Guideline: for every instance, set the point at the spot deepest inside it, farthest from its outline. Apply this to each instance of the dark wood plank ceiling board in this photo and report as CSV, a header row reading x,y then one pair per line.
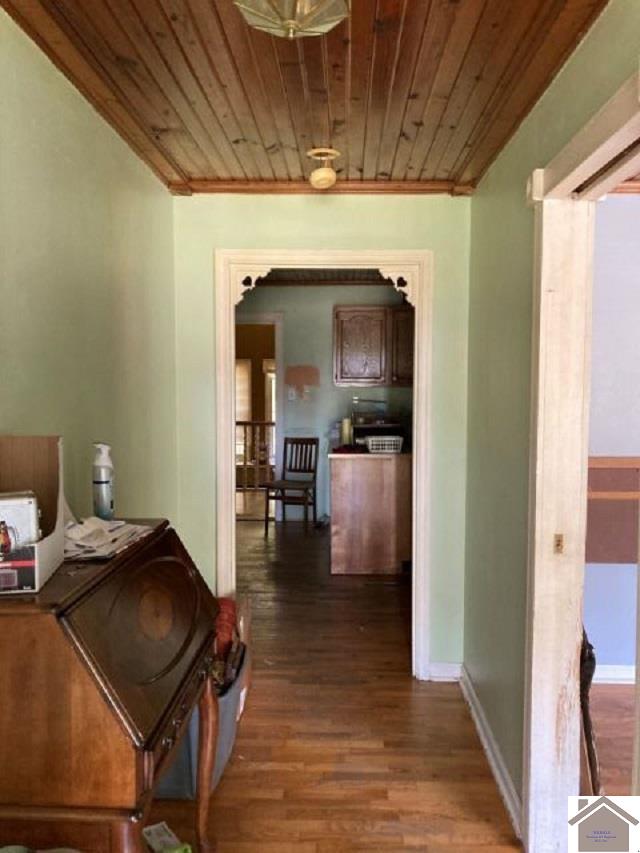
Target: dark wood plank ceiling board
x,y
204,48
266,59
417,95
239,49
545,13
360,51
411,39
492,30
316,82
517,24
339,92
440,20
182,53
560,38
461,36
290,60
114,57
388,29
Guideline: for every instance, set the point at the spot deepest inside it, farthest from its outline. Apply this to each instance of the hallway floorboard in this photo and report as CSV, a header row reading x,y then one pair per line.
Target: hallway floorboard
x,y
339,748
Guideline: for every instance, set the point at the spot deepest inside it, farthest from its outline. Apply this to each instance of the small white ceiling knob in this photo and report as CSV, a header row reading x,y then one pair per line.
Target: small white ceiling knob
x,y
324,177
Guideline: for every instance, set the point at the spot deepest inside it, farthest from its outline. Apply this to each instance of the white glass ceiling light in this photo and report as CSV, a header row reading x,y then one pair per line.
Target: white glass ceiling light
x,y
324,177
294,18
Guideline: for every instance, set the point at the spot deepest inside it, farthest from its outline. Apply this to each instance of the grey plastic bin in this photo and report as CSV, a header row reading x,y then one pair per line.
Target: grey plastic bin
x,y
179,781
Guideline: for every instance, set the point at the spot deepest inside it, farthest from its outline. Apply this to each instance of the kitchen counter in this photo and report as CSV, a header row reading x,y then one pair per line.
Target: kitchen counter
x,y
370,512
374,457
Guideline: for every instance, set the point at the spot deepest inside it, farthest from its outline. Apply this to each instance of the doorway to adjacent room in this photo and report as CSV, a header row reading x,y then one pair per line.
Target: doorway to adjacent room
x,y
410,273
601,156
258,408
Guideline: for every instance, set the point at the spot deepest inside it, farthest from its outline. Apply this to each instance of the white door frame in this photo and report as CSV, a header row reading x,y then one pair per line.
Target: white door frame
x,y
274,319
564,195
411,273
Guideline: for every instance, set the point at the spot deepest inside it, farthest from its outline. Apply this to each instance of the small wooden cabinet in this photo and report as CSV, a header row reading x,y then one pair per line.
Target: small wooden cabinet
x,y
402,346
372,345
360,346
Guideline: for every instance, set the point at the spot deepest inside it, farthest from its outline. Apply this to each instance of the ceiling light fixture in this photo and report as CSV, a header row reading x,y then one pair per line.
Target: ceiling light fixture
x,y
294,19
324,177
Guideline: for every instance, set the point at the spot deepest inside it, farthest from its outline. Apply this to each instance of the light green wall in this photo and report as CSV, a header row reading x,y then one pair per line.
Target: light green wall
x,y
86,284
206,223
308,339
499,370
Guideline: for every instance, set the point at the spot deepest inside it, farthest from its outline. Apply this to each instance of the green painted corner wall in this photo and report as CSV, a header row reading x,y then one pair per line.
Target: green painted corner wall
x,y
86,282
500,322
206,223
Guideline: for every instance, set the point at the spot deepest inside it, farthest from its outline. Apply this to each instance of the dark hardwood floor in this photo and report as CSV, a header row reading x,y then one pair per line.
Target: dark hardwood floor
x,y
250,506
339,748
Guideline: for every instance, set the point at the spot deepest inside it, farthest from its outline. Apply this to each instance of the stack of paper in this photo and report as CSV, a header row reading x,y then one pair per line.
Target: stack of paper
x,y
95,539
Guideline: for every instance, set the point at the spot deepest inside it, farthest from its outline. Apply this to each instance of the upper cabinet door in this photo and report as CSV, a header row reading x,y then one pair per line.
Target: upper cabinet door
x,y
360,346
402,346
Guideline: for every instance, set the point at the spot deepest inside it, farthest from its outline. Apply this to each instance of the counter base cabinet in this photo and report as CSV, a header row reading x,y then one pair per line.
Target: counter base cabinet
x,y
370,513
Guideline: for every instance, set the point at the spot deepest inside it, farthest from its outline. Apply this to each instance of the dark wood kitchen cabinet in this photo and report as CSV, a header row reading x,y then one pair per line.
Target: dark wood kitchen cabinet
x,y
402,346
360,345
372,345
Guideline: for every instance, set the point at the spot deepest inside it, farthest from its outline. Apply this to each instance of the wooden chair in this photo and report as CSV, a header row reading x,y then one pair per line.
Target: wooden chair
x,y
299,471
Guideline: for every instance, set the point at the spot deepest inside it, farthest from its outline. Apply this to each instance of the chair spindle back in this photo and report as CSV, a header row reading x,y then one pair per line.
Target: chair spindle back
x,y
300,457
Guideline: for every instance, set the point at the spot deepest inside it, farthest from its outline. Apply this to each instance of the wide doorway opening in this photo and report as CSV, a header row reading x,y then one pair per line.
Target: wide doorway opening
x,y
613,501
324,463
408,274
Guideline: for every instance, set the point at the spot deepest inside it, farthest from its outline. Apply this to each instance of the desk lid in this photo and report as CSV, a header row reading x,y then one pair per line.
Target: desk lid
x,y
140,629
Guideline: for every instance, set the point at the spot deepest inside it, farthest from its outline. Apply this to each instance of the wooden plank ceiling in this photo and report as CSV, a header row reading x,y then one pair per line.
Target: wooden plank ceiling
x,y
324,277
418,95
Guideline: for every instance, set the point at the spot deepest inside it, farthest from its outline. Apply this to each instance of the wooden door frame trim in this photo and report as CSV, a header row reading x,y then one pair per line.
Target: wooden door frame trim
x,y
411,273
561,378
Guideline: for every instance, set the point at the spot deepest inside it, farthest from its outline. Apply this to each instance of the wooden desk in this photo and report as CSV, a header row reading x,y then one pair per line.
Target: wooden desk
x,y
99,674
370,512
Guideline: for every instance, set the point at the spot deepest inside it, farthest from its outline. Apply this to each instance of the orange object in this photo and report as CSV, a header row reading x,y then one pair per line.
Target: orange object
x,y
225,626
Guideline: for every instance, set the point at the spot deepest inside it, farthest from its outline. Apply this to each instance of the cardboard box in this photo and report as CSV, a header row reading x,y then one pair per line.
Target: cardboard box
x,y
34,463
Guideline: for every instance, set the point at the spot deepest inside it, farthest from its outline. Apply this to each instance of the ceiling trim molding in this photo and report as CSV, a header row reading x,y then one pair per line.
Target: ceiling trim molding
x,y
604,137
628,188
342,187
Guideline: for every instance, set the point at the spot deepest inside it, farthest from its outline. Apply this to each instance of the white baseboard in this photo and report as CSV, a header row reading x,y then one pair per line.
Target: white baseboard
x,y
615,674
445,671
502,776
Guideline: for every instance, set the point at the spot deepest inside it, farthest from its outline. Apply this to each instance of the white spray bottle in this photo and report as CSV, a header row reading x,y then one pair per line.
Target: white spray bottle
x,y
103,477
